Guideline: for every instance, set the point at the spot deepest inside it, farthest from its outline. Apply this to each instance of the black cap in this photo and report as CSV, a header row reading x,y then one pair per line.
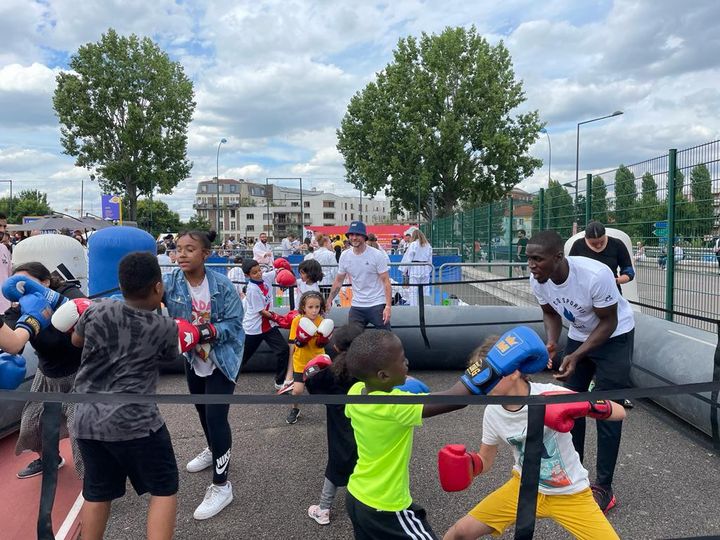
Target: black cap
x,y
594,229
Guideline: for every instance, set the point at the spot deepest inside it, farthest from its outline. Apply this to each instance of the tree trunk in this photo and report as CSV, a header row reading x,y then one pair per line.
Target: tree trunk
x,y
130,213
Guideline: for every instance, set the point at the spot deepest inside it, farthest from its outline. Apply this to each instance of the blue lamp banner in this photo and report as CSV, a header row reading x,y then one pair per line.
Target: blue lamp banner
x,y
111,207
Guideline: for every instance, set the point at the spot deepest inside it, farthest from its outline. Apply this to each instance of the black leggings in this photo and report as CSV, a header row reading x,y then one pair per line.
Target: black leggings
x,y
214,418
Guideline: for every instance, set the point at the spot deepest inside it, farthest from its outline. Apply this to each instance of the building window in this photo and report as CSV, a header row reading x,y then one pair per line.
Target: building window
x,y
233,188
352,206
267,216
352,216
250,228
306,204
249,216
307,216
345,206
232,215
328,204
295,203
232,225
203,188
328,215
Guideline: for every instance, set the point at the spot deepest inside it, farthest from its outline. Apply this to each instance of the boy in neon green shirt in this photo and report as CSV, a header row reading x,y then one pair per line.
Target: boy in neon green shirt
x,y
378,499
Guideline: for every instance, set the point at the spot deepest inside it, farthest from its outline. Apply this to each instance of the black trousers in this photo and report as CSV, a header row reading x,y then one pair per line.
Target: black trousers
x,y
214,418
371,524
610,365
368,315
279,346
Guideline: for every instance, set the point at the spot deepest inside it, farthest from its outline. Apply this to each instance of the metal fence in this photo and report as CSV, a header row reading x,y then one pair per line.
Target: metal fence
x,y
669,204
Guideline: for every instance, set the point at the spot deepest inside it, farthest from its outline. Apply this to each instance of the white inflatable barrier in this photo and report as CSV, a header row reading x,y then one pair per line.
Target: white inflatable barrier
x,y
61,255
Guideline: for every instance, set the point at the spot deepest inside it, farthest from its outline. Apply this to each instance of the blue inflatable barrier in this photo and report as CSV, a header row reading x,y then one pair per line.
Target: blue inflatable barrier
x,y
105,249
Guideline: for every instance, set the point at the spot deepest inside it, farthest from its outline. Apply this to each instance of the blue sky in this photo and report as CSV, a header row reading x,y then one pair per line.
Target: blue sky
x,y
274,78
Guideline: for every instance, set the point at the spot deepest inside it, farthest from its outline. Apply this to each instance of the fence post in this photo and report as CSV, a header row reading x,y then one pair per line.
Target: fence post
x,y
670,240
541,210
489,234
588,199
462,236
510,257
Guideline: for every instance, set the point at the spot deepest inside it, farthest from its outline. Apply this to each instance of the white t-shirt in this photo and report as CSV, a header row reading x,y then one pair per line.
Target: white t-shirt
x,y
235,274
417,253
328,262
262,253
561,472
286,247
303,287
589,284
5,271
258,297
365,269
164,261
202,363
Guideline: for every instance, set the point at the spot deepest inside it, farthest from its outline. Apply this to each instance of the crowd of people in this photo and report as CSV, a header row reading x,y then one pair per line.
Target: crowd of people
x,y
219,321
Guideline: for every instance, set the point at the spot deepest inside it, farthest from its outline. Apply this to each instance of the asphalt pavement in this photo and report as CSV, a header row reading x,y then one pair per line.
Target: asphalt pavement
x,y
667,479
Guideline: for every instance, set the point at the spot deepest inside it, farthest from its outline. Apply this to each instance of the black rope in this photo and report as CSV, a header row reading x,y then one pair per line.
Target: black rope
x,y
50,423
714,395
421,315
530,477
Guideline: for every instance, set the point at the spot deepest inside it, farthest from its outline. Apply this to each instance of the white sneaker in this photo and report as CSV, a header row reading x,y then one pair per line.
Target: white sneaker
x,y
200,462
216,498
319,515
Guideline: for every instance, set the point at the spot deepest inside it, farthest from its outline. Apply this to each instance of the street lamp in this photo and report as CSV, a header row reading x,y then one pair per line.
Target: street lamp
x,y
545,131
577,155
217,181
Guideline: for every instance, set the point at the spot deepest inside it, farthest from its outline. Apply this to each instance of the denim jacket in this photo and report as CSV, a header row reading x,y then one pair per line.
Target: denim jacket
x,y
226,314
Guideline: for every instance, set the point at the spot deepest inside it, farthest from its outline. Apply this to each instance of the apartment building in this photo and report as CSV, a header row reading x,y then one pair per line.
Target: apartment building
x,y
247,208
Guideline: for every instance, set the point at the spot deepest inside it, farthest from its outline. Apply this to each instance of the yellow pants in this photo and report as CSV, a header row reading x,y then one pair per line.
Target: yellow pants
x,y
578,513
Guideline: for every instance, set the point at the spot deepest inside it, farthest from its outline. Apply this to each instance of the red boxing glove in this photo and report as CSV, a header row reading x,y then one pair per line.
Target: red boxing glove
x,y
285,278
561,416
306,330
67,315
324,332
281,262
317,364
188,335
457,467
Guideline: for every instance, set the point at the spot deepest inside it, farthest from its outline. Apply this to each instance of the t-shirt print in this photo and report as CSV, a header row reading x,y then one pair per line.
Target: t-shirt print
x,y
553,473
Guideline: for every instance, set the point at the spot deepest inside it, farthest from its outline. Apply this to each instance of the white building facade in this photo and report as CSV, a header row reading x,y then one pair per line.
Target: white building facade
x,y
247,208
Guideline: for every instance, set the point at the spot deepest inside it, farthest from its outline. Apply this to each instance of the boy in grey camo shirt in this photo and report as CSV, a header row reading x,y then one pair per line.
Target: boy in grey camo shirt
x,y
123,344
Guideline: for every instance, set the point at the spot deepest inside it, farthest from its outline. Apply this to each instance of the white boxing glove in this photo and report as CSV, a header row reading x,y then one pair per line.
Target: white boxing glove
x,y
324,332
306,330
67,315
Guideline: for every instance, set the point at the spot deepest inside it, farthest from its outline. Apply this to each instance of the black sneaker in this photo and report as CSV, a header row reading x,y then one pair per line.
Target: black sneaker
x,y
627,404
292,416
36,467
603,497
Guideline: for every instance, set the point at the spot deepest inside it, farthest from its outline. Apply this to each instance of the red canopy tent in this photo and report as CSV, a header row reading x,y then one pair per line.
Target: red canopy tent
x,y
384,233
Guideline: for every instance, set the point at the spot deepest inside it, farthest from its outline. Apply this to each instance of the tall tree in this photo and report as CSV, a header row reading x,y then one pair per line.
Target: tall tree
x,y
197,223
29,202
648,209
599,200
560,209
685,211
701,189
441,116
156,217
124,111
625,197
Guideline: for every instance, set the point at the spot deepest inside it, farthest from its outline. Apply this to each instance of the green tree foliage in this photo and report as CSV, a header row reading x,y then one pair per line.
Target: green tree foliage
x,y
30,202
685,211
440,116
701,189
599,200
156,217
124,111
625,198
559,209
580,211
197,223
648,210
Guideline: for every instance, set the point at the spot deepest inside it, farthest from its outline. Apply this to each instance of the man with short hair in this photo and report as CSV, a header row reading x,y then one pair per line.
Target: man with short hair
x,y
262,252
371,288
5,262
600,339
286,245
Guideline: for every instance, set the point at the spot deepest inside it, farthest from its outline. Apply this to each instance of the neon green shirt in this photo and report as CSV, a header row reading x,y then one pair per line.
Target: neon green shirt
x,y
384,436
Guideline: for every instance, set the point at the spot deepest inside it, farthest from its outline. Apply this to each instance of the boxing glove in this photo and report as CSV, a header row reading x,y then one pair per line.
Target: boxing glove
x,y
306,330
561,416
12,371
67,315
414,386
19,285
188,335
316,365
457,467
36,313
285,278
207,331
324,332
281,263
518,349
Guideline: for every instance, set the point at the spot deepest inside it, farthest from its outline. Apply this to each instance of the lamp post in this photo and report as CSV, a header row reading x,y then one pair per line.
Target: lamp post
x,y
217,182
577,156
545,131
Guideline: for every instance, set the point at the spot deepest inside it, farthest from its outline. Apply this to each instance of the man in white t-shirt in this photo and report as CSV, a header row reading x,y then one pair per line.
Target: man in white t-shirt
x,y
262,252
371,288
286,245
600,338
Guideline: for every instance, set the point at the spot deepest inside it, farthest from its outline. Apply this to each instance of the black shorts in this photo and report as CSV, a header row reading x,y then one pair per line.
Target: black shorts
x,y
149,463
370,524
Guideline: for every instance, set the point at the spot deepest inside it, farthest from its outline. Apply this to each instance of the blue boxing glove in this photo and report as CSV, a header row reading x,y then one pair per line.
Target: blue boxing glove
x,y
414,386
19,285
520,348
12,371
36,314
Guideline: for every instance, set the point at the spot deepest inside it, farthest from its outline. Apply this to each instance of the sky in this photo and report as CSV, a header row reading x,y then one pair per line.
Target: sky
x,y
274,78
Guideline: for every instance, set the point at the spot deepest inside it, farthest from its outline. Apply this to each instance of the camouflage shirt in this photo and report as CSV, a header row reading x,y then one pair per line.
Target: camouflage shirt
x,y
123,348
